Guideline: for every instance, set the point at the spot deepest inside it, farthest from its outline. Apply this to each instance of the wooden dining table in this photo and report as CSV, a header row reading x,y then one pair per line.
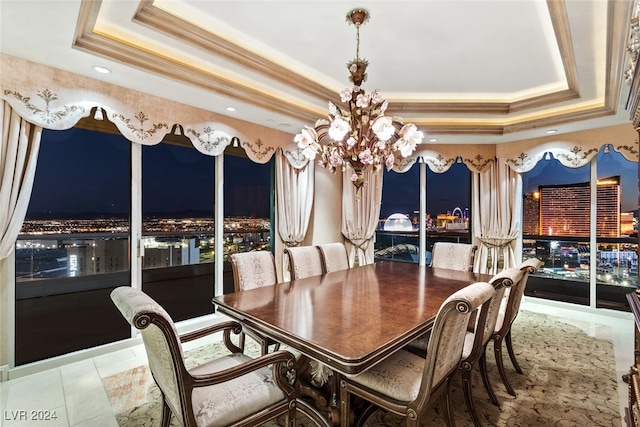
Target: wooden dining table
x,y
346,321
349,320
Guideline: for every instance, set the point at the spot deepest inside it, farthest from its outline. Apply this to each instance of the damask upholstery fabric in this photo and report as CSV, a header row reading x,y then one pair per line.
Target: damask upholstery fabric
x,y
448,345
132,302
304,261
454,256
334,256
399,375
235,398
402,375
253,269
516,292
512,277
219,404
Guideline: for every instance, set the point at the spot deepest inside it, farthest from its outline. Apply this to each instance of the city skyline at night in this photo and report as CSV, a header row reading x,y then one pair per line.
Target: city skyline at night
x,y
179,181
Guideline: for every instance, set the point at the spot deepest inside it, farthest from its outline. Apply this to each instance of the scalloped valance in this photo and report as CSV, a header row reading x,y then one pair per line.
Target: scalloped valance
x,y
57,100
573,150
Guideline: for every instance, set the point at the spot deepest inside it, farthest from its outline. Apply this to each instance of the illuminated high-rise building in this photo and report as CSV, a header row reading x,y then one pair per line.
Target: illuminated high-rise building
x,y
531,214
564,209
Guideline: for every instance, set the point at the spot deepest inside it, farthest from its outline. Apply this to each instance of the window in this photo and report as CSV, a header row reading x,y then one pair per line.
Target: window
x,y
178,227
617,229
77,217
447,218
248,202
557,229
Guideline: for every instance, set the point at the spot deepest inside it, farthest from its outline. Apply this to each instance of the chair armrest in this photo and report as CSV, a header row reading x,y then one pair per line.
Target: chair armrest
x,y
283,358
229,325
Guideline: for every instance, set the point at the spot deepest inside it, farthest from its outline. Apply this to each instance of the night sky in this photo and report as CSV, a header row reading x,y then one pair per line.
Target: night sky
x,y
83,171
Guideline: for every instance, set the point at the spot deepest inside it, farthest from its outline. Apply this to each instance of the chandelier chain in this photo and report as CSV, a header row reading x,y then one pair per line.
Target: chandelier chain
x,y
357,42
358,135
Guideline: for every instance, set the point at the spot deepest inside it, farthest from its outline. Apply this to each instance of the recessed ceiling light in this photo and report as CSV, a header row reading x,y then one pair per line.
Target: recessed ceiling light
x,y
550,131
101,70
433,140
231,108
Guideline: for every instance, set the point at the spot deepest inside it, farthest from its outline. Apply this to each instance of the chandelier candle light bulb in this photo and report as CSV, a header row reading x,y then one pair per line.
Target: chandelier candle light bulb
x,y
360,134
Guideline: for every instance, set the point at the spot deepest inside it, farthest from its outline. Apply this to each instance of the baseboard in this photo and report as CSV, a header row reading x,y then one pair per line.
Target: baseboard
x,y
4,373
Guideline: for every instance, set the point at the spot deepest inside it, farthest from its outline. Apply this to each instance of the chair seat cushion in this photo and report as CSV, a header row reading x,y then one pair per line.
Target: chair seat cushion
x,y
225,403
397,376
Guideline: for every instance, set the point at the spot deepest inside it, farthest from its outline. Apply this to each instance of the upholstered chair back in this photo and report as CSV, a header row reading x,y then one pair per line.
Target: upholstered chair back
x,y
515,293
334,256
253,270
160,339
447,338
502,282
304,261
454,256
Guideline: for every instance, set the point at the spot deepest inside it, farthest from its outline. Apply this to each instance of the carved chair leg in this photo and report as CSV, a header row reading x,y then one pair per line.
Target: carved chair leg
x,y
497,350
485,379
166,414
291,417
512,355
468,395
446,406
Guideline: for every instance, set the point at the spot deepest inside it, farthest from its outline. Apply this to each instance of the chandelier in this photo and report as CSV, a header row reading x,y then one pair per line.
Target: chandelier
x,y
360,134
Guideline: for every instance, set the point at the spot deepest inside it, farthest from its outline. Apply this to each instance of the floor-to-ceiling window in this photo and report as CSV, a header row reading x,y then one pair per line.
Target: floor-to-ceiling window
x,y
558,226
178,227
73,246
616,228
447,211
75,243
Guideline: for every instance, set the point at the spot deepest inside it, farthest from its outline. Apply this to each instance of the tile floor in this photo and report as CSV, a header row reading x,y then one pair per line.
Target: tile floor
x,y
74,392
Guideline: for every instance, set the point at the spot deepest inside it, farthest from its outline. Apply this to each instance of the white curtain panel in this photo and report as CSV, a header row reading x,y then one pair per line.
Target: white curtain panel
x,y
294,200
18,157
497,212
360,214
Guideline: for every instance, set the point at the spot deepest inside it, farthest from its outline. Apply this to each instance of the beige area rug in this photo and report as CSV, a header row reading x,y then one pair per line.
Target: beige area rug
x,y
570,380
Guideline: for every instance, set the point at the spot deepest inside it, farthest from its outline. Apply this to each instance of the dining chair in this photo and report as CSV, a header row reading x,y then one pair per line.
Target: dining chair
x,y
479,335
304,261
479,331
251,270
334,256
454,256
407,384
502,332
231,390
